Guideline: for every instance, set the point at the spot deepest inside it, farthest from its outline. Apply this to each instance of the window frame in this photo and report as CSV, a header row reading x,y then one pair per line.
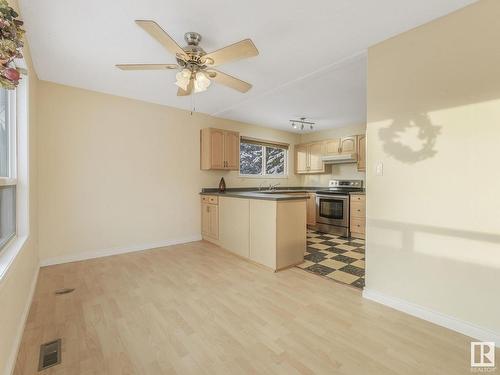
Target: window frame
x,y
263,173
11,179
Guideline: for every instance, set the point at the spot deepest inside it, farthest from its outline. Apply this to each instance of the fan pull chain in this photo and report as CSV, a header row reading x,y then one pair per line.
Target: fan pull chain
x,y
193,105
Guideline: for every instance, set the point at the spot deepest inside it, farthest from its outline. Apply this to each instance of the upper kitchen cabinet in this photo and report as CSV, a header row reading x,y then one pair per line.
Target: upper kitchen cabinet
x,y
362,153
301,159
220,149
308,158
348,145
332,147
337,146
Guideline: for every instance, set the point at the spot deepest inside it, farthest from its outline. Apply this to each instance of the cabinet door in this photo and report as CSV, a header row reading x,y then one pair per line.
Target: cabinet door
x,y
214,221
348,145
301,159
205,219
362,152
332,147
232,150
316,151
311,209
216,149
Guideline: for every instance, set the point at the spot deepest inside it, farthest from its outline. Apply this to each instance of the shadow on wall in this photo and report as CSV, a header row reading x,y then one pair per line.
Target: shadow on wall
x,y
411,138
471,247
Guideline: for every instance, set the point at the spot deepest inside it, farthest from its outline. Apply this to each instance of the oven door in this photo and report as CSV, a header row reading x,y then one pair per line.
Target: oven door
x,y
332,209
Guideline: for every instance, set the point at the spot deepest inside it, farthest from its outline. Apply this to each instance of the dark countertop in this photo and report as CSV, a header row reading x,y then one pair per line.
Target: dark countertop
x,y
292,189
276,195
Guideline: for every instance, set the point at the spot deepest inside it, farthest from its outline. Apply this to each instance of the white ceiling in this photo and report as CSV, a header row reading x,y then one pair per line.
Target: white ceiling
x,y
312,58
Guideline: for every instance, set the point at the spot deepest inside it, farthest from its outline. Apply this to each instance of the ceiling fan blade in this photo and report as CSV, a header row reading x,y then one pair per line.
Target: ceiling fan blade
x,y
146,66
153,29
181,92
229,81
240,50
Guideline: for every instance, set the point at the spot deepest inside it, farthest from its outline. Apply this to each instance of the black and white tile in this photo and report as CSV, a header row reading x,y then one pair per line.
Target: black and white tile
x,y
338,258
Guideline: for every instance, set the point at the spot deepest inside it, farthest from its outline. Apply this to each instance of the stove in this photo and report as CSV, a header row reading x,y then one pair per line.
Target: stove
x,y
332,206
342,187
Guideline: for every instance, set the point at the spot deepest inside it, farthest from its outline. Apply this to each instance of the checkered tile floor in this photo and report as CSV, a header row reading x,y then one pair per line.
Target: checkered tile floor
x,y
338,258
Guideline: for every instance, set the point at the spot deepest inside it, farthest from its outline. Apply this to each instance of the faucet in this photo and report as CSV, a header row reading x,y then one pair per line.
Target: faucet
x,y
273,187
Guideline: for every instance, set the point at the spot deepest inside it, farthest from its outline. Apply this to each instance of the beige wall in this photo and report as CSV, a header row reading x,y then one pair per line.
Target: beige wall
x,y
16,284
433,233
337,171
117,173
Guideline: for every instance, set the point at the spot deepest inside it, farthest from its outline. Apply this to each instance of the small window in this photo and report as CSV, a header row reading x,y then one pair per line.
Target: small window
x,y
261,158
8,182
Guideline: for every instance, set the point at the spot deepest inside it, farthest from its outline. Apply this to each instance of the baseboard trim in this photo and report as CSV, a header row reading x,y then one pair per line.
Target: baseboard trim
x,y
20,330
435,317
115,251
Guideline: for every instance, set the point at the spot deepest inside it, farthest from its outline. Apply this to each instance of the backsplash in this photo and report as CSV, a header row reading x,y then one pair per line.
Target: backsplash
x,y
334,172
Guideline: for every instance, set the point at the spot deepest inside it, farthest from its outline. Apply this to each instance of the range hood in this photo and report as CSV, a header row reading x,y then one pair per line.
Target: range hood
x,y
340,159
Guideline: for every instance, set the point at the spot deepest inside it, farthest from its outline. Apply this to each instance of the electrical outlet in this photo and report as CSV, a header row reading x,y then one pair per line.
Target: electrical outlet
x,y
379,169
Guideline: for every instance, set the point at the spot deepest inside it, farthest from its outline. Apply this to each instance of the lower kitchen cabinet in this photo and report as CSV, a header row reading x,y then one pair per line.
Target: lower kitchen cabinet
x,y
267,232
311,209
209,217
358,216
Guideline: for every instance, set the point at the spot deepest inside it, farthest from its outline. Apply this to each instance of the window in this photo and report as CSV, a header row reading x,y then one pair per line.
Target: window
x,y
8,182
261,158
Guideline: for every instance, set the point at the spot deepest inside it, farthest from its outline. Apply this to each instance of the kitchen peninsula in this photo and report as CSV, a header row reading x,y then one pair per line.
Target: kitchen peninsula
x,y
268,228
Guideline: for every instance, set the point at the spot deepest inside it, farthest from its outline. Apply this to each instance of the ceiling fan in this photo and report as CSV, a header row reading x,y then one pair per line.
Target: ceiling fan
x,y
194,64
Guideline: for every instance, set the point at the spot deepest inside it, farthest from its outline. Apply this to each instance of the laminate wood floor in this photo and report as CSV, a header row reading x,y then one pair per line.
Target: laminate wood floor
x,y
196,309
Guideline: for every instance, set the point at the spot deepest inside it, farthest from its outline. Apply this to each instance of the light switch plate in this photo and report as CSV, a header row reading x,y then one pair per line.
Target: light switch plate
x,y
379,169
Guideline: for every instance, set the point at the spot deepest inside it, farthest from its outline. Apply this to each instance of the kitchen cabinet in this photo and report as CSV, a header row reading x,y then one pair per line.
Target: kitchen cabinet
x,y
301,159
344,145
332,147
348,145
267,232
316,151
219,149
362,153
358,215
209,217
311,209
308,158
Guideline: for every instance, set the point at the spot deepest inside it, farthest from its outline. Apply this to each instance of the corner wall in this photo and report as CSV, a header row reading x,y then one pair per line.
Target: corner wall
x,y
433,227
120,174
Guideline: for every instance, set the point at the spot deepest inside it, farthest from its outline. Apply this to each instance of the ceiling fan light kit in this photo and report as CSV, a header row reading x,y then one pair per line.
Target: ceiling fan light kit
x,y
195,66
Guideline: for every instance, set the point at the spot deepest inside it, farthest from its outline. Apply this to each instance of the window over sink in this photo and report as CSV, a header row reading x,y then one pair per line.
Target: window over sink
x,y
262,158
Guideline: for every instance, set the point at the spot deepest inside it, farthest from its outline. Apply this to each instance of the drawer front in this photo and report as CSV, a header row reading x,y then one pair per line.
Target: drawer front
x,y
357,225
358,198
358,209
212,199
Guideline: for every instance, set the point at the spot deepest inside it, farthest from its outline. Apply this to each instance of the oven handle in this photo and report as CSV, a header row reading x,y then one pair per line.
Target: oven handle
x,y
332,196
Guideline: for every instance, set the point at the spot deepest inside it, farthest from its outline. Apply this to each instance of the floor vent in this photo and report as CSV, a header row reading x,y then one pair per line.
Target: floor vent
x,y
50,354
64,291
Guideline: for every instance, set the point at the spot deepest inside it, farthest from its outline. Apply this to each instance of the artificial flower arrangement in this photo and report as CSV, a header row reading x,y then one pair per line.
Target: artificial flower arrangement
x,y
11,43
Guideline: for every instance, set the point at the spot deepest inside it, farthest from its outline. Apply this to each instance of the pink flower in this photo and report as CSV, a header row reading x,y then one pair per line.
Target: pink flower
x,y
11,74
